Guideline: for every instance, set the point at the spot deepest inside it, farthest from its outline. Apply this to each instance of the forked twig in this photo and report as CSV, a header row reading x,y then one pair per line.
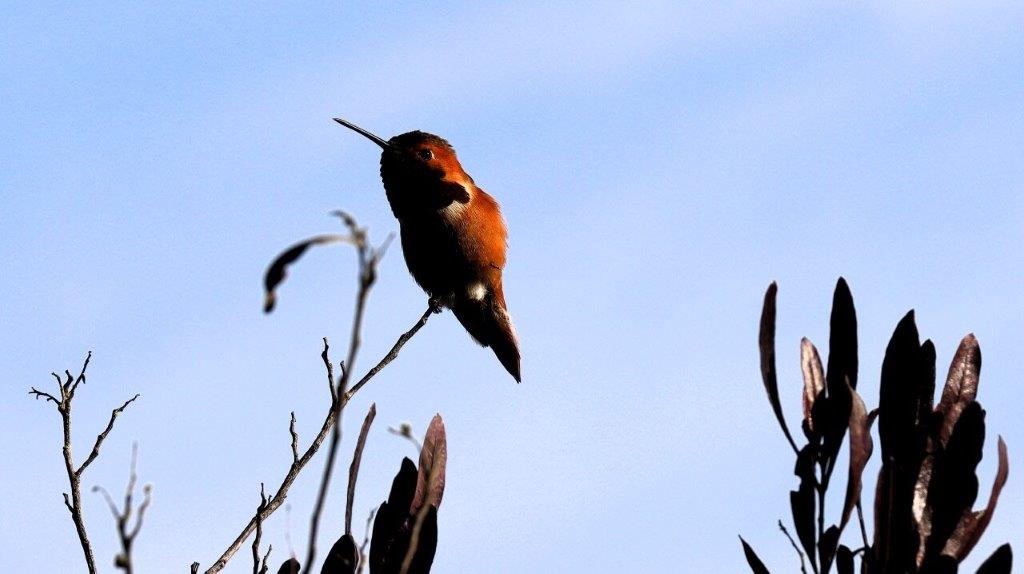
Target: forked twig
x,y
66,391
122,517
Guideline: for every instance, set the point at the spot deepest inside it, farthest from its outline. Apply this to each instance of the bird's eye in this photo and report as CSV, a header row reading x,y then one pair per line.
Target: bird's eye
x,y
426,154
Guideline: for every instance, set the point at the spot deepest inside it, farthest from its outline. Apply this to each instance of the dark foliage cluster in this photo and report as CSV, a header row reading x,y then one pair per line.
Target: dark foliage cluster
x,y
404,536
924,521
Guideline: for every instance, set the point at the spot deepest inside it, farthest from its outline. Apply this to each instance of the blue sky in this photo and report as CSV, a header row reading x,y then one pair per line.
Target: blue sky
x,y
658,166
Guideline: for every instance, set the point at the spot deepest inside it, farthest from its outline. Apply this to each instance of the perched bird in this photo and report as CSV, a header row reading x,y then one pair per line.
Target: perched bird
x,y
453,235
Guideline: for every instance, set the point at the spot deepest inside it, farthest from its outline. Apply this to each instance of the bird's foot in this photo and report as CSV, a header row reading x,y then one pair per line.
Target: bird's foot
x,y
435,304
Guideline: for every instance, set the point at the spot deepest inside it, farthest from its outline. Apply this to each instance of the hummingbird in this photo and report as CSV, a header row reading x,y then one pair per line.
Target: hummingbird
x,y
453,235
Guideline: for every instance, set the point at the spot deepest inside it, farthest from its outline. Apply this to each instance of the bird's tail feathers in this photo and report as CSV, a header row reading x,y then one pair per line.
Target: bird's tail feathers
x,y
489,323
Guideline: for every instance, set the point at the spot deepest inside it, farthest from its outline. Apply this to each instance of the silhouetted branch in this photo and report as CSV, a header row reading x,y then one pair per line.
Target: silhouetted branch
x,y
259,567
338,402
122,517
404,430
368,259
792,542
67,388
366,541
295,439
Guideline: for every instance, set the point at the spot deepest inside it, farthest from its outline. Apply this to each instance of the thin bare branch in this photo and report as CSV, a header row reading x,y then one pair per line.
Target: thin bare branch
x,y
103,435
353,469
367,277
404,430
122,517
393,353
81,375
73,501
40,394
799,552
366,541
295,439
330,372
259,532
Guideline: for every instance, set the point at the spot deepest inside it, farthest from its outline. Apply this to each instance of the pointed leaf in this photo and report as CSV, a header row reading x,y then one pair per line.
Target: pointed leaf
x,y
756,566
426,547
802,501
860,451
961,384
842,343
766,343
842,371
391,525
278,269
814,378
433,458
1001,561
903,440
971,529
343,557
827,547
954,485
353,468
844,560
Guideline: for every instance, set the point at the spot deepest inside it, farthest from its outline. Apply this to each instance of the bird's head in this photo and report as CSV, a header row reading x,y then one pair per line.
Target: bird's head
x,y
421,166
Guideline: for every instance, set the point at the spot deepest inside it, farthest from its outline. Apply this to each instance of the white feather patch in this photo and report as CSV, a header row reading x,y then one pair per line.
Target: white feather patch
x,y
476,291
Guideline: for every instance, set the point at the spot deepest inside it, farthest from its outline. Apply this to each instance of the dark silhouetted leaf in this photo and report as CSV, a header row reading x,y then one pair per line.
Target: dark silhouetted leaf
x,y
290,566
954,486
961,384
844,560
842,342
343,557
391,526
278,269
766,342
433,458
971,529
756,566
802,501
1001,561
827,547
814,378
427,546
860,451
903,440
841,373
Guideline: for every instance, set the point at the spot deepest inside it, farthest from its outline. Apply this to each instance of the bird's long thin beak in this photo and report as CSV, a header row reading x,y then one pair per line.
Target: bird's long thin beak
x,y
375,139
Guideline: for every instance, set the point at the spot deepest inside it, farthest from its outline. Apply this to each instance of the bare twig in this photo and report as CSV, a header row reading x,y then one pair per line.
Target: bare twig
x,y
432,308
122,517
795,547
278,498
860,518
366,541
256,569
67,388
404,430
103,435
368,259
295,439
353,469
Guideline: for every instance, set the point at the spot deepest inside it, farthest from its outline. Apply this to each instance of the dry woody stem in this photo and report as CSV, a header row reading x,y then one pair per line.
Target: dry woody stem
x,y
340,393
67,388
